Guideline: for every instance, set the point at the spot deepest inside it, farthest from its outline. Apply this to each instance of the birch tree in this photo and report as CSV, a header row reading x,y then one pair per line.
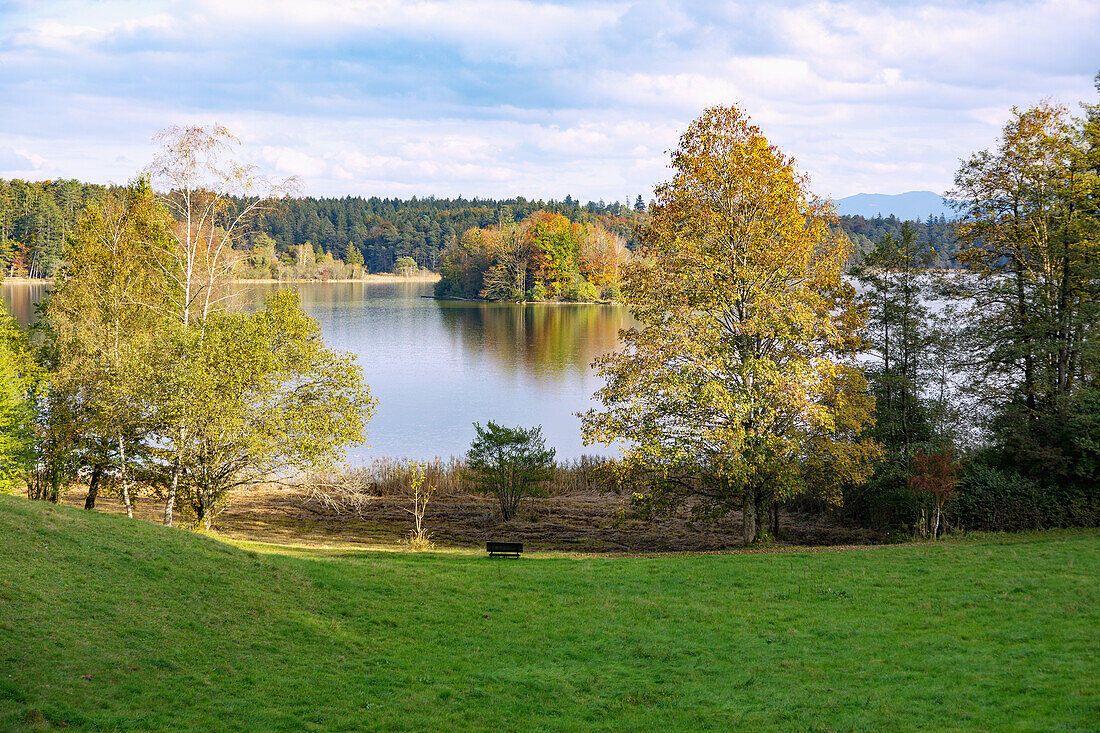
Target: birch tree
x,y
201,185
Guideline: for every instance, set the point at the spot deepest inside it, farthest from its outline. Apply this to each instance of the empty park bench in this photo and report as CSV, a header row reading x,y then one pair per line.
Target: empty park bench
x,y
504,549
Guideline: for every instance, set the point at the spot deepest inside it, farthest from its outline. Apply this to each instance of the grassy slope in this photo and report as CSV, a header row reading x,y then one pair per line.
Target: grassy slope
x,y
178,631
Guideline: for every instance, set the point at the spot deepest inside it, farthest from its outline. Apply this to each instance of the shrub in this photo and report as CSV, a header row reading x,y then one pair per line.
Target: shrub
x,y
447,288
509,463
885,502
934,477
612,292
1000,500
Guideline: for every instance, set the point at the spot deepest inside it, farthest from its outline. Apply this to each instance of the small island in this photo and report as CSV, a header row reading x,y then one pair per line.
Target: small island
x,y
544,258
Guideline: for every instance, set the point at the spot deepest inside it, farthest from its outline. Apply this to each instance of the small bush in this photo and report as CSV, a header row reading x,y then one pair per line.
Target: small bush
x,y
612,292
509,463
447,288
885,502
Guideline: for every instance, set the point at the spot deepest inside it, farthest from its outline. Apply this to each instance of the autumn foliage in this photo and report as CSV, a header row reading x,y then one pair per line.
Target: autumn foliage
x,y
739,388
546,257
934,475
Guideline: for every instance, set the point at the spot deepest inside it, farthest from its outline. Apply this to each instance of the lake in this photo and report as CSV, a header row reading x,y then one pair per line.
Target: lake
x,y
435,367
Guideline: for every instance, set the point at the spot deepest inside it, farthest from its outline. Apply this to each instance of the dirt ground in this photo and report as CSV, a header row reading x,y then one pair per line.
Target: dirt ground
x,y
579,523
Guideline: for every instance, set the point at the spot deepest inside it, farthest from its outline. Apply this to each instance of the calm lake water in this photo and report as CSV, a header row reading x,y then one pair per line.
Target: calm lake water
x,y
435,367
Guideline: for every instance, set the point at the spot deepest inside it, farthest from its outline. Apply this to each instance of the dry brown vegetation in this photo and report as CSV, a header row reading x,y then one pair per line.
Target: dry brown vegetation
x,y
577,514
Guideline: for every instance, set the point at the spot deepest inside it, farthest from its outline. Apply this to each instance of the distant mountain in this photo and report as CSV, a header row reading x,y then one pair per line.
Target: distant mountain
x,y
914,205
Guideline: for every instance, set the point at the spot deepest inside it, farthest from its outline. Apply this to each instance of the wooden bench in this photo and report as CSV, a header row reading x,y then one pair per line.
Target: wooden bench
x,y
504,549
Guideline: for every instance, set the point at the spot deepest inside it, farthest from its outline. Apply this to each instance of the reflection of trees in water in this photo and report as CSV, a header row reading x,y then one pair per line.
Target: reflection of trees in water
x,y
547,339
325,297
20,298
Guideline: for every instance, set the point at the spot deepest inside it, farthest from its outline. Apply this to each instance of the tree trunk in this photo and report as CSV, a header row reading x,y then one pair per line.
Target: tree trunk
x,y
748,514
93,486
125,476
170,502
775,519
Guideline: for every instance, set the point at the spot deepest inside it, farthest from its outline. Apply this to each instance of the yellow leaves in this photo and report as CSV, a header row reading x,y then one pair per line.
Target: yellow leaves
x,y
546,255
745,322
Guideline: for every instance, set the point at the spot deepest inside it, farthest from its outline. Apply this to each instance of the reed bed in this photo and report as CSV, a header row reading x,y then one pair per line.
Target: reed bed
x,y
353,487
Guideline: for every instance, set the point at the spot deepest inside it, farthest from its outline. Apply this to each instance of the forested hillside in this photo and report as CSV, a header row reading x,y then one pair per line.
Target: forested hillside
x,y
936,233
35,218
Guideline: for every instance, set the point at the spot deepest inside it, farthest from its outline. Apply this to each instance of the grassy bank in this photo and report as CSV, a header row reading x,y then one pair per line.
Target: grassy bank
x,y
109,624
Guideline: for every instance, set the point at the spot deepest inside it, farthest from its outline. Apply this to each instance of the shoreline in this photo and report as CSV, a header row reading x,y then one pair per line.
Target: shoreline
x,y
374,277
457,299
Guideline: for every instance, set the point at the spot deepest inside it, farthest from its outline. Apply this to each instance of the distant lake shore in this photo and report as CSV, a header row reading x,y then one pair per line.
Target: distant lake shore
x,y
425,276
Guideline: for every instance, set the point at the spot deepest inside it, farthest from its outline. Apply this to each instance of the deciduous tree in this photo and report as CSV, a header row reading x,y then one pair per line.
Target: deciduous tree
x,y
934,476
1031,235
405,266
265,399
101,332
17,378
741,371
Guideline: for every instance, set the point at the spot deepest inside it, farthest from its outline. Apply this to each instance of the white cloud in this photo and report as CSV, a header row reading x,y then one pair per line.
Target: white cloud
x,y
501,97
294,162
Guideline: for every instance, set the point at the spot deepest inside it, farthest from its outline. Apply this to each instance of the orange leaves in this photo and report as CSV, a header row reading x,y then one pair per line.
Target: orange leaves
x,y
547,255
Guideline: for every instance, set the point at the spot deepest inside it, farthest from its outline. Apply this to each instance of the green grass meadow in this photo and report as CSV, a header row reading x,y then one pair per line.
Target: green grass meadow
x,y
110,624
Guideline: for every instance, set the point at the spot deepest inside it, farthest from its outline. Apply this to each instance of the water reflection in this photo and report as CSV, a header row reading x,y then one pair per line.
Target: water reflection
x,y
19,298
550,340
437,366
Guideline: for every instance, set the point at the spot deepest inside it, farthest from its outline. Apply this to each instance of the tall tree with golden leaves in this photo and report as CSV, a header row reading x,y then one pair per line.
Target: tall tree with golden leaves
x,y
738,389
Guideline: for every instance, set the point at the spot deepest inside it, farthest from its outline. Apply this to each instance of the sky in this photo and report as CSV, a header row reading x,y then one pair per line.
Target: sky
x,y
540,99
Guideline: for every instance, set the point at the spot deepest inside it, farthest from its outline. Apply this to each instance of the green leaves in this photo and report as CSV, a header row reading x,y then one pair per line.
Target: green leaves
x,y
509,463
17,372
544,257
260,396
151,372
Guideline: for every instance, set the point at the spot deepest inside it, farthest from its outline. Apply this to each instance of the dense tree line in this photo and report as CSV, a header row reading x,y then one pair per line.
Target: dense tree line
x,y
385,229
35,219
759,376
545,257
935,237
926,400
987,379
368,234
